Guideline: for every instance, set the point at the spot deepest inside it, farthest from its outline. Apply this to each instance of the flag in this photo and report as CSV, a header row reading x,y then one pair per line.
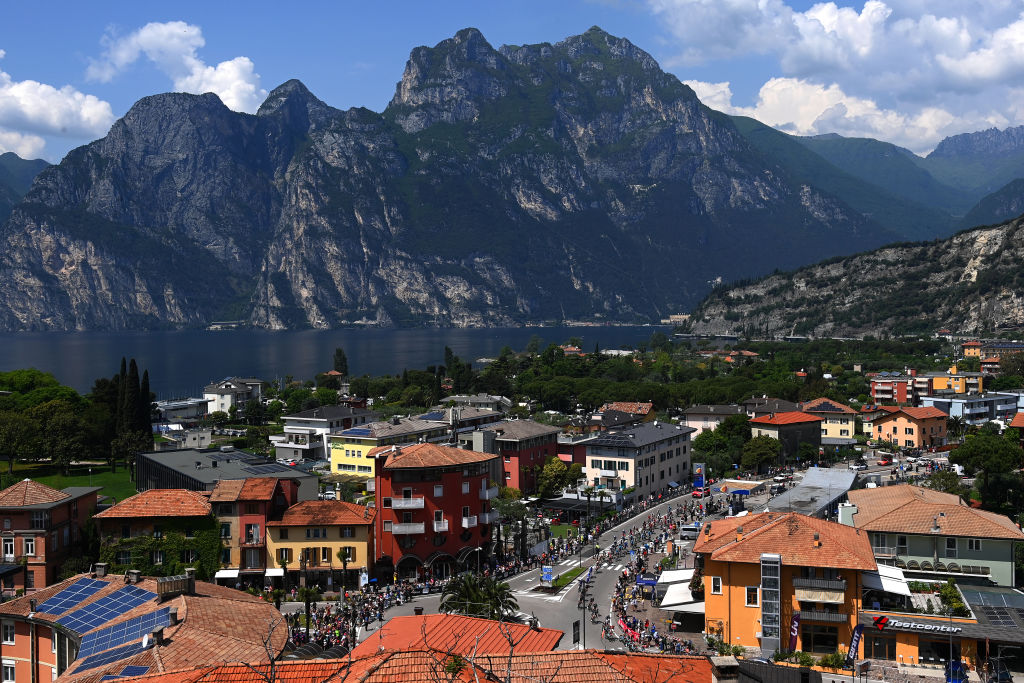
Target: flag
x,y
851,656
794,628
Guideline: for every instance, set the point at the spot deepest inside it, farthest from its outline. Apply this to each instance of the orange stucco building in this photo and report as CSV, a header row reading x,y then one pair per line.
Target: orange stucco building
x,y
912,427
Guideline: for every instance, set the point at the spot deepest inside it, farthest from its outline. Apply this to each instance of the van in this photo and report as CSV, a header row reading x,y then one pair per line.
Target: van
x,y
689,532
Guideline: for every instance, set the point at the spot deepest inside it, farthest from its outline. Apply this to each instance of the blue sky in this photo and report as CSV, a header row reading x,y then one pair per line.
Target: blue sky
x,y
907,71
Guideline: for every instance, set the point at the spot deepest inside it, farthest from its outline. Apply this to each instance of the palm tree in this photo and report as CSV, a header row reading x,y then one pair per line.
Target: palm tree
x,y
477,596
955,426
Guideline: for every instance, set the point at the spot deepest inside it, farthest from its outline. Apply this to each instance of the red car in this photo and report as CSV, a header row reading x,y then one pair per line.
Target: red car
x,y
885,461
700,493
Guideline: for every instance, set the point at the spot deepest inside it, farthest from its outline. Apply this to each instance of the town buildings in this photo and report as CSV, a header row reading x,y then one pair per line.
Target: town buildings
x,y
324,542
304,436
790,429
974,409
98,626
702,417
433,509
244,508
838,421
524,447
934,535
649,458
42,527
912,427
232,392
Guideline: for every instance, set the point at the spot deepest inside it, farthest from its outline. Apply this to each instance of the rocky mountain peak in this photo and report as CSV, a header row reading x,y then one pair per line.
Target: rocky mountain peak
x,y
296,106
982,143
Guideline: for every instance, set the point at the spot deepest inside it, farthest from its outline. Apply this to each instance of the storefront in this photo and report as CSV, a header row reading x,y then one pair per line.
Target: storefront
x,y
923,640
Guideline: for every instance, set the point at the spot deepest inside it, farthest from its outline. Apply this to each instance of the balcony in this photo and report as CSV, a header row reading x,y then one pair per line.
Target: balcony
x,y
441,526
252,540
409,528
608,473
414,503
489,517
820,584
371,485
828,617
487,494
469,522
887,552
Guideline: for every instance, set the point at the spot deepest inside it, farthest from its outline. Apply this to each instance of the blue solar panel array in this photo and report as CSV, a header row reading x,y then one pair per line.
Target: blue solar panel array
x,y
125,632
71,597
134,670
434,416
105,609
358,431
111,656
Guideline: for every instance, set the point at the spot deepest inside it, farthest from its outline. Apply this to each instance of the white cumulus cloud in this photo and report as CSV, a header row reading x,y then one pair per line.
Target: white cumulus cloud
x,y
30,111
173,47
907,69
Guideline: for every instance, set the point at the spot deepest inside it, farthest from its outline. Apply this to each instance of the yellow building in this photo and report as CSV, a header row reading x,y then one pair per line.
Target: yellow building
x,y
838,421
958,382
971,349
307,540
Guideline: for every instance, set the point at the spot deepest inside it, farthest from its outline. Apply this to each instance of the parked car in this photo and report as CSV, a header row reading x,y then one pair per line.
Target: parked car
x,y
885,461
689,532
702,493
859,466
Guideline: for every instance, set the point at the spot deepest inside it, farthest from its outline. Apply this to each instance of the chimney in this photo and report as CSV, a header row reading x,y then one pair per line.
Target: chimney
x,y
32,605
817,540
158,636
739,533
101,569
133,575
190,572
172,617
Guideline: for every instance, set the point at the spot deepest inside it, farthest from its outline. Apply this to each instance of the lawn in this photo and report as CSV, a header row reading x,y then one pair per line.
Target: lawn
x,y
117,485
567,576
563,530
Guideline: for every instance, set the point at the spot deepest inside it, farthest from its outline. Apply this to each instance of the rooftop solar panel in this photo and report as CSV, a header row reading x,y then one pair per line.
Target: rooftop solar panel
x,y
71,597
105,609
125,632
358,431
434,416
110,656
134,670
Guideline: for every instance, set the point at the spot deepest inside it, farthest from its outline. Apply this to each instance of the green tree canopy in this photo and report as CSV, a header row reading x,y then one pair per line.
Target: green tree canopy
x,y
340,361
760,451
990,456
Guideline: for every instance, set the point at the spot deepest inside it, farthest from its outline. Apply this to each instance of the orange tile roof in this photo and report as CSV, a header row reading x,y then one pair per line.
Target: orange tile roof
x,y
226,490
427,455
160,503
1018,420
325,513
258,488
875,409
28,492
571,666
836,407
915,510
790,535
971,343
631,407
458,634
792,417
993,359
916,414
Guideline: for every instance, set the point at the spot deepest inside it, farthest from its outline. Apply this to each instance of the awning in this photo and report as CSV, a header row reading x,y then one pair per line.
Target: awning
x,y
675,576
465,552
673,484
275,571
690,607
887,579
226,574
833,597
435,556
676,595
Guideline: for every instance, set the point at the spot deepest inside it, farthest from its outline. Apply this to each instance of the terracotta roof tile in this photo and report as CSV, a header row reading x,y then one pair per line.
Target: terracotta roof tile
x,y
458,634
915,510
226,490
790,535
631,407
792,417
1018,420
258,488
160,503
827,405
325,512
427,455
28,492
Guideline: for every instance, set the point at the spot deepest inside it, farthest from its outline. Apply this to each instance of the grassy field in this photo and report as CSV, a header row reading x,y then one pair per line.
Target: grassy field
x,y
563,530
117,485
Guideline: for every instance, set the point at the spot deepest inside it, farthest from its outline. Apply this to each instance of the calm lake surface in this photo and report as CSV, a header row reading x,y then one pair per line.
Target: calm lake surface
x,y
181,363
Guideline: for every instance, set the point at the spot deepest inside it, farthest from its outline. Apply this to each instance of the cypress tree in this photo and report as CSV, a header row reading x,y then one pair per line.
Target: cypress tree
x,y
130,404
119,413
144,415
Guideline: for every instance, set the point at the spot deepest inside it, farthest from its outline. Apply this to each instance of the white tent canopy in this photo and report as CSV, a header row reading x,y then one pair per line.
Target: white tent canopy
x,y
226,574
887,579
677,595
275,571
675,576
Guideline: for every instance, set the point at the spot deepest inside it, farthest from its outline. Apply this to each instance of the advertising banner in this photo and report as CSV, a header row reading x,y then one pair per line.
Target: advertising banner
x,y
851,656
698,475
794,629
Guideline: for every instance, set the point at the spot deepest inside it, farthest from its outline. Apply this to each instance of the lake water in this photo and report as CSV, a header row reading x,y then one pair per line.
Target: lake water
x,y
181,363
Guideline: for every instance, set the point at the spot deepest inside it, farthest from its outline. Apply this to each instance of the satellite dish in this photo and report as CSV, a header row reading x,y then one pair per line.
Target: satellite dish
x,y
145,641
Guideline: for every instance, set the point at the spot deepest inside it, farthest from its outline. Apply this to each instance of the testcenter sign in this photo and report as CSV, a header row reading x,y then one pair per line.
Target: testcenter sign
x,y
882,623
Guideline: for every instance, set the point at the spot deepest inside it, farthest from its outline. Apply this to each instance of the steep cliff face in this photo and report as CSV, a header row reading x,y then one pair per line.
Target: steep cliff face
x,y
526,183
970,283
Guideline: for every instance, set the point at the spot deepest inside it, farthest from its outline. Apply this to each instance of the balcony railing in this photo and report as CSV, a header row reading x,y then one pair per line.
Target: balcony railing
x,y
489,517
829,617
608,473
371,485
469,522
415,503
408,528
253,540
884,551
441,526
487,494
820,584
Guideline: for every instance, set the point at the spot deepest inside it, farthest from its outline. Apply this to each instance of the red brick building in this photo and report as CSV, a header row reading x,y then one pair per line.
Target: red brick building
x,y
524,447
433,509
41,528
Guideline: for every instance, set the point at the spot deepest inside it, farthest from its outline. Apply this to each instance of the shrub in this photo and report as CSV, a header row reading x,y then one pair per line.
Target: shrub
x,y
834,660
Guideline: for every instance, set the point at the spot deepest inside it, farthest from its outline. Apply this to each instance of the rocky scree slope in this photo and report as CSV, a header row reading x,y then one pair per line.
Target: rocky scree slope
x,y
500,186
972,282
